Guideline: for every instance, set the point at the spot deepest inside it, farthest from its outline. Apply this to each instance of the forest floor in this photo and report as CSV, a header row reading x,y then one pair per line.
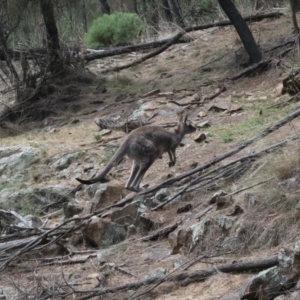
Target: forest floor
x,y
199,67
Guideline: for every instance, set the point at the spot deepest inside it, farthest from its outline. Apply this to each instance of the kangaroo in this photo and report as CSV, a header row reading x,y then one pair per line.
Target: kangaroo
x,y
144,145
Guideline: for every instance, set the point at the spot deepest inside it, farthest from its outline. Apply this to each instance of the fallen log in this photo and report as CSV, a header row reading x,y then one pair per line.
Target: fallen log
x,y
183,278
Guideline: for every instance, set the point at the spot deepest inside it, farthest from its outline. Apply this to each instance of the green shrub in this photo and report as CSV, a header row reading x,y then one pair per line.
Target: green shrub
x,y
116,29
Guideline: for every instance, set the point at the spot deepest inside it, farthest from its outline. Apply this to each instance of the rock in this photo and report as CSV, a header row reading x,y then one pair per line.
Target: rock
x,y
93,276
127,215
196,97
200,137
149,222
204,124
159,272
226,222
103,255
162,195
234,109
195,232
31,199
184,208
251,200
71,209
14,159
104,194
215,196
223,201
218,108
269,282
202,114
185,238
105,132
103,233
65,161
33,221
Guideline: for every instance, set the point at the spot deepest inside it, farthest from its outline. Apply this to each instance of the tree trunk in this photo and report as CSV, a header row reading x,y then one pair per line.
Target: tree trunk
x,y
295,7
84,19
14,78
52,33
167,10
242,30
178,13
153,17
104,7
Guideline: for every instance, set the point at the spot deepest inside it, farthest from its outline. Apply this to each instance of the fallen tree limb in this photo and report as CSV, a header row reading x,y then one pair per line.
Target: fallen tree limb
x,y
184,278
151,45
252,69
175,39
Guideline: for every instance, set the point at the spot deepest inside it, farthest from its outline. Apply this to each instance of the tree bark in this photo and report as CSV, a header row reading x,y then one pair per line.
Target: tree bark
x,y
4,51
52,33
178,13
242,30
167,10
104,7
84,19
295,7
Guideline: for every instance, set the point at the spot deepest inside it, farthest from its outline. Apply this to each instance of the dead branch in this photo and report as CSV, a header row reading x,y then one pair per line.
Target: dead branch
x,y
146,57
183,278
175,39
127,49
210,97
161,232
252,69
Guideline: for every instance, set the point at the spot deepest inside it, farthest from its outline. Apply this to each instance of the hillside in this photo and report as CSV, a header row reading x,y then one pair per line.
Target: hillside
x,y
234,212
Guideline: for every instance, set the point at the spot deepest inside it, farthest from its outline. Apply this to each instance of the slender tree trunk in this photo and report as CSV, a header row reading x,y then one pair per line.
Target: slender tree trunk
x,y
167,10
52,33
85,27
177,12
242,30
153,17
104,7
295,7
14,78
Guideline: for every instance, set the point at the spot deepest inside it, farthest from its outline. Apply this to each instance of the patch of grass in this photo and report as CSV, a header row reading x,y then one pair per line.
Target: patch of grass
x,y
97,137
262,116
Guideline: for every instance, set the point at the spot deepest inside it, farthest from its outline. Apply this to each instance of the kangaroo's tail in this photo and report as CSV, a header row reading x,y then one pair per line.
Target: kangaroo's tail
x,y
115,160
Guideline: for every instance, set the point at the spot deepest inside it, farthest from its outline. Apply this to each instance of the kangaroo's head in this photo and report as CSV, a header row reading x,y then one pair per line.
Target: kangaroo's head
x,y
184,126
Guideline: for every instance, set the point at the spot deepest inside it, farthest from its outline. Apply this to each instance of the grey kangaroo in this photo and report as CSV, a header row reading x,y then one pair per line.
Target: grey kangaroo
x,y
144,145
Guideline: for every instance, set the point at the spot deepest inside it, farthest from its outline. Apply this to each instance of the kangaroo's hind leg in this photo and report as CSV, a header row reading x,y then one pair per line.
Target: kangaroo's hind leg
x,y
144,166
134,170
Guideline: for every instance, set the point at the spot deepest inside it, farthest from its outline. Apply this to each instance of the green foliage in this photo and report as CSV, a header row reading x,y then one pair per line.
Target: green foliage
x,y
115,29
206,4
98,137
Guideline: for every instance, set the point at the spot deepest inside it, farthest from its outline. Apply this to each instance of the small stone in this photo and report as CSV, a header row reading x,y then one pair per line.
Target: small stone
x,y
93,276
202,114
196,97
105,132
203,124
200,137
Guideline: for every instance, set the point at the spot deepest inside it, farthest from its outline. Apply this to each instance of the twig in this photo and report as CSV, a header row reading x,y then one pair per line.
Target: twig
x,y
251,186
